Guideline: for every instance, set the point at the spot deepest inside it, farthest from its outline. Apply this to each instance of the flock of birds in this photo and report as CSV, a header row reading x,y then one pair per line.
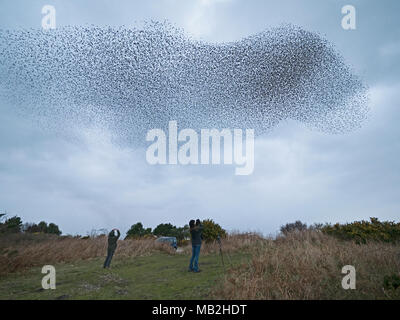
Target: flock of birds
x,y
135,79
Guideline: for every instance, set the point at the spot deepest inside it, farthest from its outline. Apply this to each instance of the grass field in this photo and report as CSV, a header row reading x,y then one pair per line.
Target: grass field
x,y
158,276
300,265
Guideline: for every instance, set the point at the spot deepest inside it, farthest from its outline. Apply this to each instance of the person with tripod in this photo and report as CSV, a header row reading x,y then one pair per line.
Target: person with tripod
x,y
196,230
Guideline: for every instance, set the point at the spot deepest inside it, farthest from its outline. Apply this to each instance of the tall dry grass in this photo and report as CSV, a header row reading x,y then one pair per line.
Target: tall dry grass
x,y
233,242
21,252
308,265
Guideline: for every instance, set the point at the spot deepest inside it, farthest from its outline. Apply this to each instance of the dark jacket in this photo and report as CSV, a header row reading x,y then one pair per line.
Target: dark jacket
x,y
195,233
112,240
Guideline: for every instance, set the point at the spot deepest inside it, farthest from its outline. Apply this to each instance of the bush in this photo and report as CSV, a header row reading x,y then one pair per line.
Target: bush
x,y
297,226
364,231
212,230
391,282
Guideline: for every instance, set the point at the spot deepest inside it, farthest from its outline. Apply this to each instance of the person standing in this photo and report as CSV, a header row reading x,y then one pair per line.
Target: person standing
x,y
196,236
113,237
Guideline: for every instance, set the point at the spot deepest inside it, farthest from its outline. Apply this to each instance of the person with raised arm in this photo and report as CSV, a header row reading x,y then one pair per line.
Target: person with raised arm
x,y
113,237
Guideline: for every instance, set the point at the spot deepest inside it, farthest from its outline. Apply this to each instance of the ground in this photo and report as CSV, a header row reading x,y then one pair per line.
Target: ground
x,y
157,276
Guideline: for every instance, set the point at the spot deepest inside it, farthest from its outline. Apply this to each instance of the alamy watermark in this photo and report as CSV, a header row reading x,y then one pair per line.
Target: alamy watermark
x,y
349,280
197,148
349,20
49,280
49,17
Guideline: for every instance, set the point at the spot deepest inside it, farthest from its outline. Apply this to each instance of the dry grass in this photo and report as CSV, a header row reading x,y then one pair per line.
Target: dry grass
x,y
233,242
299,266
308,266
21,252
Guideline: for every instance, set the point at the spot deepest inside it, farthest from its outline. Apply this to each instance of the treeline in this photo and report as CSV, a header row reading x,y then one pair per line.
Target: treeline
x,y
14,225
210,233
358,231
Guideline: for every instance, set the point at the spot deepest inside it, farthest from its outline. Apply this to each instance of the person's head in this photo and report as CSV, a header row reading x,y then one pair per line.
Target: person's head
x,y
197,222
191,223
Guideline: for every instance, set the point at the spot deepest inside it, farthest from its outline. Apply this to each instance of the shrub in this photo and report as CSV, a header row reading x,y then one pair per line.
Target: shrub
x,y
297,226
364,231
212,230
391,282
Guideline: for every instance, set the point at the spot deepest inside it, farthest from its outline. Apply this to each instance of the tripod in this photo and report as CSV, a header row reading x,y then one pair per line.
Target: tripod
x,y
222,255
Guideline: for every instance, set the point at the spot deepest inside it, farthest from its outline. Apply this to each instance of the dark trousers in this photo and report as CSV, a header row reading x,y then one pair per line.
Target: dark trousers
x,y
110,253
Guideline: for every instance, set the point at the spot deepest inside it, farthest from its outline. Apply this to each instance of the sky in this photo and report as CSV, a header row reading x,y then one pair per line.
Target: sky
x,y
89,182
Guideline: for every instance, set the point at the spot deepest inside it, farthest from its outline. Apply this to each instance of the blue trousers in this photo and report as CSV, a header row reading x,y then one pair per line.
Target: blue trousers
x,y
194,260
110,253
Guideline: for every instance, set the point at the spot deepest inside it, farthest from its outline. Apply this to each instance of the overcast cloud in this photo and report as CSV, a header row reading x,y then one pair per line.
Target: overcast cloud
x,y
84,180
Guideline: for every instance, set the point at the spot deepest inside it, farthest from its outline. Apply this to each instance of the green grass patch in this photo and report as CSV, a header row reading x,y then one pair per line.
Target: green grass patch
x,y
157,276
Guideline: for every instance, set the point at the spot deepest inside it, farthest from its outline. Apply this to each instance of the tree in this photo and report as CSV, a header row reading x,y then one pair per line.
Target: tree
x,y
42,226
169,230
166,229
2,224
137,230
31,227
11,225
212,230
53,229
183,232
